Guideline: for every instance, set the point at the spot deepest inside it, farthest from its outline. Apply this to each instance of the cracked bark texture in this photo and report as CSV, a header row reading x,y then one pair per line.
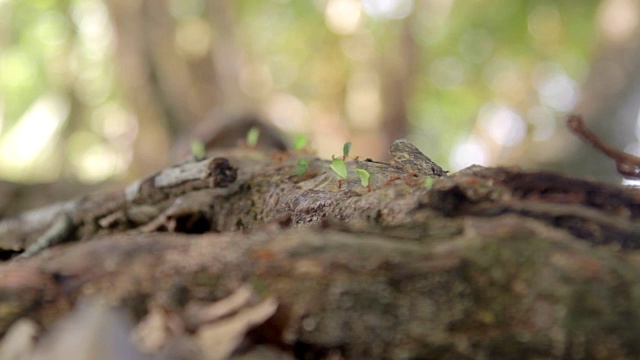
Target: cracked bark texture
x,y
487,263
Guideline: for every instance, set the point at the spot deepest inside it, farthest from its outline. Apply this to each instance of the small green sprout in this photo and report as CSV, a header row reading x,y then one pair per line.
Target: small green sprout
x,y
302,166
346,149
252,136
338,167
300,142
197,149
364,177
428,182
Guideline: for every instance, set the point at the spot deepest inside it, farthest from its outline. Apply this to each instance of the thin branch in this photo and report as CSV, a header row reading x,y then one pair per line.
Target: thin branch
x,y
626,164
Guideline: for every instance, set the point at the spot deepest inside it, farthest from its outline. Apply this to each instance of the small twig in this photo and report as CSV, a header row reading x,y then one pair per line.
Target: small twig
x,y
626,164
82,217
57,233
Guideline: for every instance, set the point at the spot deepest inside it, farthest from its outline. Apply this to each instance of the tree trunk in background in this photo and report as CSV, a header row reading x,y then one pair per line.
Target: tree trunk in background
x,y
227,60
398,74
139,84
168,91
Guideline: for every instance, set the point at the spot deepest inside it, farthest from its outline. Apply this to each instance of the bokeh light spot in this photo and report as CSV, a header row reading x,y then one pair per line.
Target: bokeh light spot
x,y
38,128
503,124
92,159
17,69
51,29
388,9
618,19
555,88
114,123
288,112
193,38
468,152
92,20
343,16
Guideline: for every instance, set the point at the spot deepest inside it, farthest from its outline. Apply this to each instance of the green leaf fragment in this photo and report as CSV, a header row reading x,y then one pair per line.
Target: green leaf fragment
x,y
339,168
300,142
428,182
302,166
364,176
346,149
252,136
198,149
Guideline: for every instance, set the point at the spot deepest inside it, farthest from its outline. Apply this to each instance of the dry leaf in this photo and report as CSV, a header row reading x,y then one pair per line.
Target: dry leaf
x,y
221,338
93,331
19,340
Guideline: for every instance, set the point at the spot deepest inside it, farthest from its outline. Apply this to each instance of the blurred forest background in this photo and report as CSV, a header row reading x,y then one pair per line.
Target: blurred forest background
x,y
97,90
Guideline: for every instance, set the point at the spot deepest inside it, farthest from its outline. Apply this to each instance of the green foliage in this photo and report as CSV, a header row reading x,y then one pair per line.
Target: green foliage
x,y
345,150
472,53
302,166
198,149
364,176
300,142
253,135
339,168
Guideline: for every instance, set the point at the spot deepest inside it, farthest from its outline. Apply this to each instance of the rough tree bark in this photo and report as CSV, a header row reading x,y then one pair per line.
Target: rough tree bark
x,y
486,263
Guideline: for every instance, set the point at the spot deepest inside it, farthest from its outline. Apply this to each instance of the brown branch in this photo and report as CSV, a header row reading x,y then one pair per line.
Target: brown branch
x,y
626,164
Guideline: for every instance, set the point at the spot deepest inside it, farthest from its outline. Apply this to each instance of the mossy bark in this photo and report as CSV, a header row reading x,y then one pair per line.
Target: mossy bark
x,y
482,264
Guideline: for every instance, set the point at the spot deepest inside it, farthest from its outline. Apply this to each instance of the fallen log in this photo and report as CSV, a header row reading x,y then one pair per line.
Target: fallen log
x,y
486,263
